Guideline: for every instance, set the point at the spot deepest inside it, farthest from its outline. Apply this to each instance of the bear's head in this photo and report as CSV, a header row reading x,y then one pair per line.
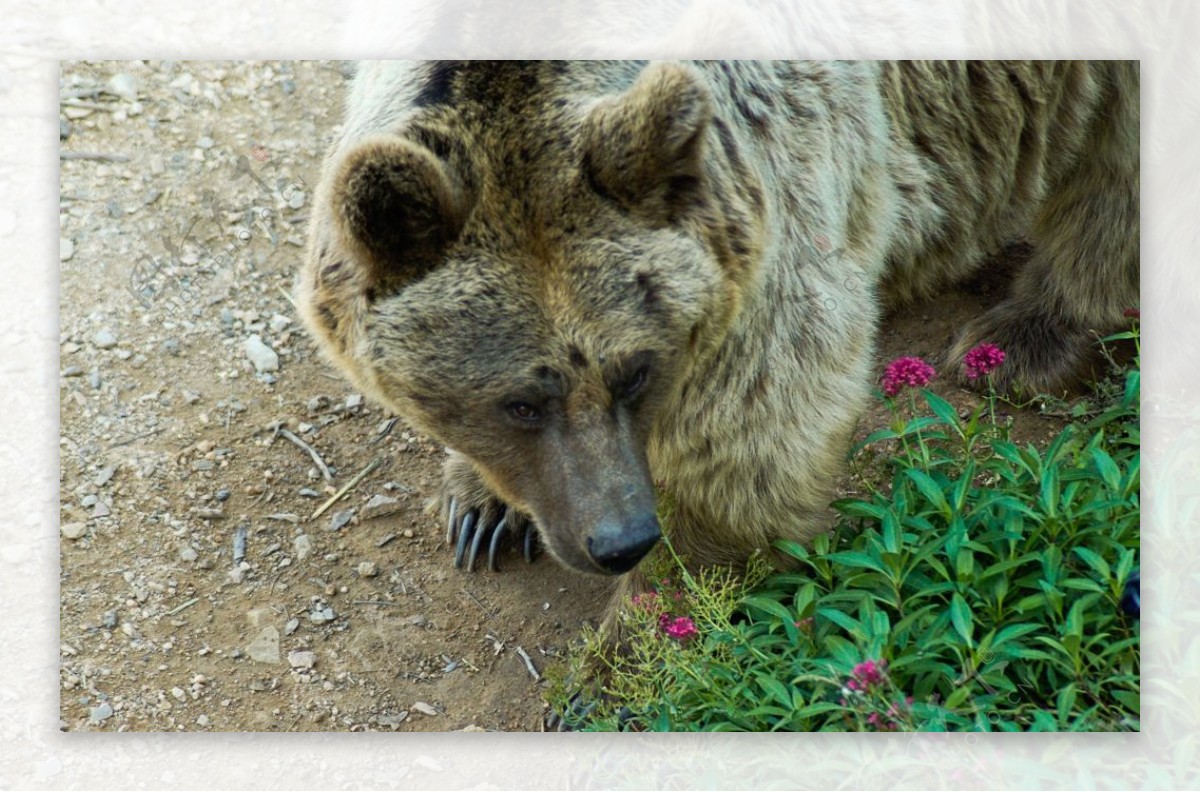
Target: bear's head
x,y
533,284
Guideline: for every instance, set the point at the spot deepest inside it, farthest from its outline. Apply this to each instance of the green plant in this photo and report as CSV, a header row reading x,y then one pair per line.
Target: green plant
x,y
976,588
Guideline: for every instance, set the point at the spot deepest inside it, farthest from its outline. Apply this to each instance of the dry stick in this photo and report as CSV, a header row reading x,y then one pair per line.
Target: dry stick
x,y
135,438
92,155
349,485
311,452
73,102
533,672
184,606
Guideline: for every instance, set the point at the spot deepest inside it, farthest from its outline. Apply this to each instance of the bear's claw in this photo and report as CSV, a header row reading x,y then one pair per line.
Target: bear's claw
x,y
469,534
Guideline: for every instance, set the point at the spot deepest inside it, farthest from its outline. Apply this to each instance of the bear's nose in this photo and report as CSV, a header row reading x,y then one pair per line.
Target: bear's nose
x,y
617,547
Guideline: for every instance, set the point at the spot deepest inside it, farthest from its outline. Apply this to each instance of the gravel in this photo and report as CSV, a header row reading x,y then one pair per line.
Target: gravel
x,y
380,506
104,339
262,356
265,646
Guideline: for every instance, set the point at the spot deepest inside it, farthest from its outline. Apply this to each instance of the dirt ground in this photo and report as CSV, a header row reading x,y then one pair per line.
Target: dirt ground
x,y
198,589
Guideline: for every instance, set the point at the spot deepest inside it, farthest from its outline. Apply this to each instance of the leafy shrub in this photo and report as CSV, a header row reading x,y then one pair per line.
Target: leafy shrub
x,y
980,590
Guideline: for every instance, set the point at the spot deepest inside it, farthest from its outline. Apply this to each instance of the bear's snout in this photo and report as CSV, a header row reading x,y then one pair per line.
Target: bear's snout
x,y
617,547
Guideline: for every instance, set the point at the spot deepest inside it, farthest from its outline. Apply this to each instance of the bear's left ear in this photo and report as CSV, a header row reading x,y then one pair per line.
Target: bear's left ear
x,y
644,148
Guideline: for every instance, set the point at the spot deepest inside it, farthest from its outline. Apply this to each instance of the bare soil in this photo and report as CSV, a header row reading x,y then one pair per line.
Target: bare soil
x,y
198,589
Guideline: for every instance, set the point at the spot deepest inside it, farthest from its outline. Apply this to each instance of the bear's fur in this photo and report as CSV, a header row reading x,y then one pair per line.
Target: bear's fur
x,y
587,277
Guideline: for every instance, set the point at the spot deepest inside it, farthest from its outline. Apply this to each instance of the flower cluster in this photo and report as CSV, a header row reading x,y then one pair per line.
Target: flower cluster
x,y
983,360
906,372
867,675
681,628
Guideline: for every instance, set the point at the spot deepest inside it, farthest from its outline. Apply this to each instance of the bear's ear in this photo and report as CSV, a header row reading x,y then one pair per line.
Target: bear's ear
x,y
644,148
397,208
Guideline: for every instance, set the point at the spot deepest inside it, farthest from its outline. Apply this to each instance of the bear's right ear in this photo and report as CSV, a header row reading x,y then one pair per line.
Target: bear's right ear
x,y
644,148
397,208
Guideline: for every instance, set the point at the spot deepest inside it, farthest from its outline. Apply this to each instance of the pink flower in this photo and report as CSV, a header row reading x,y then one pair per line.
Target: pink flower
x,y
649,600
868,673
905,372
1133,313
680,628
983,360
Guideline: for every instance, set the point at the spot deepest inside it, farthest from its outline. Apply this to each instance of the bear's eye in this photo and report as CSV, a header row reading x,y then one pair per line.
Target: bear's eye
x,y
524,411
630,387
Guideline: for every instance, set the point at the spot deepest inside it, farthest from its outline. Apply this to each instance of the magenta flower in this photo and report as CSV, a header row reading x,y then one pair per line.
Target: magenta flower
x,y
1133,313
867,674
906,372
680,628
983,360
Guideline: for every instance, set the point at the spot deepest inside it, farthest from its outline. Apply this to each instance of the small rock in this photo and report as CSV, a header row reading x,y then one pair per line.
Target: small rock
x,y
64,129
302,659
303,545
418,621
265,647
341,519
316,404
291,626
202,721
296,201
380,506
109,620
392,721
188,554
205,142
354,400
222,494
94,378
472,728
124,86
157,166
100,713
408,533
73,530
279,323
101,509
171,347
66,249
202,464
72,371
190,397
261,355
88,501
426,709
368,569
105,339
306,492
179,694
322,616
104,475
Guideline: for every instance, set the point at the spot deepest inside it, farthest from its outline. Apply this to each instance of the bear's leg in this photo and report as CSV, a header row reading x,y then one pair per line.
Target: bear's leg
x,y
1084,271
476,520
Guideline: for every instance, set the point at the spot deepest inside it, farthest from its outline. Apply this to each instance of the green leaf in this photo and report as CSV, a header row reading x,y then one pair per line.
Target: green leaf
x,y
843,620
853,507
857,560
929,488
943,409
1108,469
960,617
775,688
775,609
1130,700
1095,561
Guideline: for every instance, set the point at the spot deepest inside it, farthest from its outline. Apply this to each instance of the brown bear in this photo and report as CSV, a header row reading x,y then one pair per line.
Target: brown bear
x,y
589,277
